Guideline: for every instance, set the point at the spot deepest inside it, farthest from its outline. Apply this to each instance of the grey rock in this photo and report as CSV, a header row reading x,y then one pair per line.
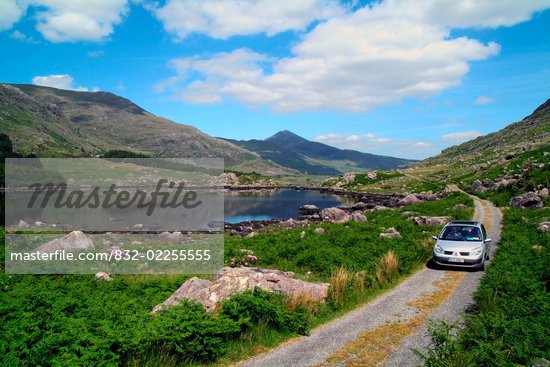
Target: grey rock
x,y
529,200
390,233
430,221
544,227
230,281
73,241
319,230
308,209
408,200
103,276
359,217
335,215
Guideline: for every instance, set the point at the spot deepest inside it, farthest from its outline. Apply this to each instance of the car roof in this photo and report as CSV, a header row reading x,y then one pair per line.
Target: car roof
x,y
464,222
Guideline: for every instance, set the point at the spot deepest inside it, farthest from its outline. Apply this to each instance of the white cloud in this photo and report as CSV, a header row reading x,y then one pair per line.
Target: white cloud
x,y
59,81
467,13
352,62
483,100
79,20
226,18
460,137
369,143
10,12
16,35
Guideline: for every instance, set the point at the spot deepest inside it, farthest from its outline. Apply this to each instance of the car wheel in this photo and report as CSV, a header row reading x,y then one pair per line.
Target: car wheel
x,y
482,266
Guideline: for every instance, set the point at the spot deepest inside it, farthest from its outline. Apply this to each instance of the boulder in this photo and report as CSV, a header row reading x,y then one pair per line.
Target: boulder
x,y
544,227
302,235
335,215
229,178
359,217
319,230
430,221
308,209
348,178
74,241
544,192
236,280
390,233
22,224
172,237
477,186
103,276
529,200
408,200
372,175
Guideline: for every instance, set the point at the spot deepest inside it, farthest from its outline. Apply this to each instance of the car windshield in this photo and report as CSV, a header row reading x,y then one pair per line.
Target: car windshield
x,y
461,233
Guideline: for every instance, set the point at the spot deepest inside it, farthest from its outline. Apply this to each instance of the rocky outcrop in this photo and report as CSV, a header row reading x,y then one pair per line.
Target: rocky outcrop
x,y
335,215
236,280
408,200
74,241
529,200
430,221
229,178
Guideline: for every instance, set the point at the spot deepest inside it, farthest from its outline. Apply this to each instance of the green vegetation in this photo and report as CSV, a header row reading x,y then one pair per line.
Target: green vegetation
x,y
75,320
118,153
511,325
251,178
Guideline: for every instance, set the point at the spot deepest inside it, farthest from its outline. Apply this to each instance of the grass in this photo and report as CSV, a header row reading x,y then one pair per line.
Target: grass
x,y
75,320
511,323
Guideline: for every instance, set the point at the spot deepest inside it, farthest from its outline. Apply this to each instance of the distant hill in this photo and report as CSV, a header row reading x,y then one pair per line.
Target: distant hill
x,y
59,123
293,151
525,135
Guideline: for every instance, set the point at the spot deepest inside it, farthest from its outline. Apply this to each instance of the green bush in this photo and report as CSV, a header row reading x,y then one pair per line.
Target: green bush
x,y
261,307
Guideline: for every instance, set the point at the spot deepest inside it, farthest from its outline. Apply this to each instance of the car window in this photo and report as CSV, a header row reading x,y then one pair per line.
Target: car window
x,y
461,233
484,231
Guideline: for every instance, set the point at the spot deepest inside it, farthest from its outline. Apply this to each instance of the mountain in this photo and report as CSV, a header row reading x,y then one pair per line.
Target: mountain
x,y
53,122
523,136
293,151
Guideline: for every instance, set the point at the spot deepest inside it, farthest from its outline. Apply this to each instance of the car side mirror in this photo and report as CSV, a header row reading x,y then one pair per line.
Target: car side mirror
x,y
487,240
434,237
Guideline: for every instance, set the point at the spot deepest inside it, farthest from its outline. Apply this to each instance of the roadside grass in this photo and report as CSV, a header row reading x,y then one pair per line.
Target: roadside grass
x,y
511,323
51,320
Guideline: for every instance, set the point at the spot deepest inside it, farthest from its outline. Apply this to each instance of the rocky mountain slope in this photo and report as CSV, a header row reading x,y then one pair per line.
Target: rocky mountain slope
x,y
52,122
525,135
293,151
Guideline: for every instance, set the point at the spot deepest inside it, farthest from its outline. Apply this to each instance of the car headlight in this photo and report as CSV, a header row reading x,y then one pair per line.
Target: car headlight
x,y
438,249
476,251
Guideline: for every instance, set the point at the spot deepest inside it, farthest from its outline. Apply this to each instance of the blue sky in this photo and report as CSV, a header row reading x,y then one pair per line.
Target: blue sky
x,y
404,78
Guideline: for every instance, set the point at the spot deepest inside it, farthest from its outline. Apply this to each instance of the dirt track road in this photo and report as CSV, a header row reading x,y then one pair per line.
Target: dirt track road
x,y
382,332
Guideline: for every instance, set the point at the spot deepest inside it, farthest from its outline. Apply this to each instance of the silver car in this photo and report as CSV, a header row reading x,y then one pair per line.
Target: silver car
x,y
462,243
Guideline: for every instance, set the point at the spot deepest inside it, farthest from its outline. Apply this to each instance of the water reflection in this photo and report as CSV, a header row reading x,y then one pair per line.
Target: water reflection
x,y
275,204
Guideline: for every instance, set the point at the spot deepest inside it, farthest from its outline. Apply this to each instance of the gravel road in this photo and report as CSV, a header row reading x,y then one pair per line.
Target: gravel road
x,y
389,307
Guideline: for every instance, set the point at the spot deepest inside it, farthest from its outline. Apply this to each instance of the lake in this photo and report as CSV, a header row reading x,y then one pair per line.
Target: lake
x,y
275,204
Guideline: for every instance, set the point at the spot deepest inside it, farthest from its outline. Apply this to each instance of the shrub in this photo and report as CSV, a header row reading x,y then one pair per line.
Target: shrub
x,y
259,306
387,269
339,282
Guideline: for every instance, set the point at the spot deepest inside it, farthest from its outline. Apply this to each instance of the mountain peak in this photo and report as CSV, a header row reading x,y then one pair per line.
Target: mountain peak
x,y
285,137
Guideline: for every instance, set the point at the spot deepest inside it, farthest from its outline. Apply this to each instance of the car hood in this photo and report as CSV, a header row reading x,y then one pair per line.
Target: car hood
x,y
458,245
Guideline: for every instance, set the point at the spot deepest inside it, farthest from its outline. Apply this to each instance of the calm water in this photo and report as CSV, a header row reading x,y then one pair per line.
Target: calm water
x,y
277,204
